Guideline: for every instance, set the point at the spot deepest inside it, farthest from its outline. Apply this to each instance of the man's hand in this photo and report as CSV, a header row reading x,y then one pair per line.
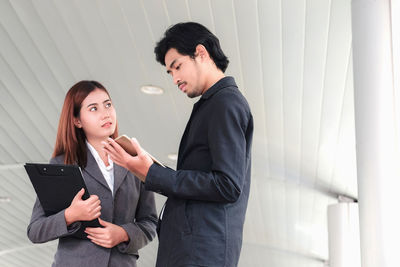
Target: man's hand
x,y
139,164
82,210
109,236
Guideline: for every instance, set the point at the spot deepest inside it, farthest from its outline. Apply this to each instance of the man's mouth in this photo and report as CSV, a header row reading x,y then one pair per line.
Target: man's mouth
x,y
182,86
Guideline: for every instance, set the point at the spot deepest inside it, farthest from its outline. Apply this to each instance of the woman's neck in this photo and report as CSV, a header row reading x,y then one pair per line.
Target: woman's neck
x,y
98,146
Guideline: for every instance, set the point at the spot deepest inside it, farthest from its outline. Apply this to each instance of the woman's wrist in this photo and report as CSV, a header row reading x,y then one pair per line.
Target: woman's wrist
x,y
69,218
124,235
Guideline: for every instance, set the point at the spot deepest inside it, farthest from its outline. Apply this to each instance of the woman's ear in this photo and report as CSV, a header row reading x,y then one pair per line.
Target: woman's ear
x,y
77,123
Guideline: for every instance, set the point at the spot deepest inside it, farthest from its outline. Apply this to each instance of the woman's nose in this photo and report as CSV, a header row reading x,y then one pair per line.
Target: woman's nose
x,y
106,113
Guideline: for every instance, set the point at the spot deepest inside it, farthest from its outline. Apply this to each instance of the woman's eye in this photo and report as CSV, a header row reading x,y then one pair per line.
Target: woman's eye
x,y
93,109
108,105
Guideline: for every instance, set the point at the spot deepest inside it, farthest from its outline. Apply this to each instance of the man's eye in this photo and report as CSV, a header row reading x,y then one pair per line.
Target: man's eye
x,y
178,67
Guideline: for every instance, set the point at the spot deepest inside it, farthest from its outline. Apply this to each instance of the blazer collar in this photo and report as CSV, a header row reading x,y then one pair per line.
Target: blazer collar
x,y
120,174
222,83
93,170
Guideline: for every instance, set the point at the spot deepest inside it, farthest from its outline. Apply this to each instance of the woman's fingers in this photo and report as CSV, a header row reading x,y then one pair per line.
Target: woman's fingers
x,y
94,231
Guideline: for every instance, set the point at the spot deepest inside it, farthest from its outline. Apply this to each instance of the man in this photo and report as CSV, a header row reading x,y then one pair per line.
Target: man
x,y
202,223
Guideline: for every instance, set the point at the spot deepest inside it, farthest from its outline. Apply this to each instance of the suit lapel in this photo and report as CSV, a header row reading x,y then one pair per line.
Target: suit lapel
x,y
119,176
93,170
182,145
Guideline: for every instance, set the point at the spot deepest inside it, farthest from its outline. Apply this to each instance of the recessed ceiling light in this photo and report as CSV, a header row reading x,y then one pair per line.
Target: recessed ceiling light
x,y
173,156
5,199
152,90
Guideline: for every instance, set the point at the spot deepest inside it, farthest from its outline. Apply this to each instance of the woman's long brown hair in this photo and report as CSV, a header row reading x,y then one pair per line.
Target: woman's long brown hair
x,y
70,139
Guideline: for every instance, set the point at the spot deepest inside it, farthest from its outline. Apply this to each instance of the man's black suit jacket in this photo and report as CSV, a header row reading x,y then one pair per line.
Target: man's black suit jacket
x,y
202,223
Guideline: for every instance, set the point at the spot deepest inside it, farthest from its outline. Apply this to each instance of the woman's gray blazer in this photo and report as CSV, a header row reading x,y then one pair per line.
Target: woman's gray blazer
x,y
132,208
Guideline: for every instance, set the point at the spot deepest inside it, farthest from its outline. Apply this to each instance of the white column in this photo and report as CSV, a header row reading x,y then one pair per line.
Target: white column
x,y
343,235
378,158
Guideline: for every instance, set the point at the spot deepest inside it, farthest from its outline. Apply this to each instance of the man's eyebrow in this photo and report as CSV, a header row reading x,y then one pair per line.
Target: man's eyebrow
x,y
171,65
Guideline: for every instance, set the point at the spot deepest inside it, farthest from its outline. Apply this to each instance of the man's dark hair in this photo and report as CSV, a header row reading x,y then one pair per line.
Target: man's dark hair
x,y
184,37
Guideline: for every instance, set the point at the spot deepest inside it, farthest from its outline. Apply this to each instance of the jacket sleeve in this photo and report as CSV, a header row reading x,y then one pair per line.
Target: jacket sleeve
x,y
44,228
143,229
229,140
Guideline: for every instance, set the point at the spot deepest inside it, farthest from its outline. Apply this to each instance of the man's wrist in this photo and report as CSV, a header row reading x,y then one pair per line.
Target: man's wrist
x,y
146,170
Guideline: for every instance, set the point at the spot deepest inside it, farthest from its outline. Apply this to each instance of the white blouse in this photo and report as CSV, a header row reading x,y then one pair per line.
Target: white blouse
x,y
107,171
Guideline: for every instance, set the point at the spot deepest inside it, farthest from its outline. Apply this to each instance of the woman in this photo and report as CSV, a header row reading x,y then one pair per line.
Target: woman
x,y
124,209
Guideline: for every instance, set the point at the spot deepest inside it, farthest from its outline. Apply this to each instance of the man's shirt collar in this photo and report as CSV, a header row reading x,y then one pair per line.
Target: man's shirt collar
x,y
222,83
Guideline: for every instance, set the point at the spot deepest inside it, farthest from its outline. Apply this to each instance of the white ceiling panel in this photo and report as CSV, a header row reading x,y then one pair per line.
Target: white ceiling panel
x,y
224,17
270,28
44,59
315,51
337,66
293,28
395,5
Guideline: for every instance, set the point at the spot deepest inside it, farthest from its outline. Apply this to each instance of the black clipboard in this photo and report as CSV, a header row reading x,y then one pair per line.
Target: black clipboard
x,y
56,186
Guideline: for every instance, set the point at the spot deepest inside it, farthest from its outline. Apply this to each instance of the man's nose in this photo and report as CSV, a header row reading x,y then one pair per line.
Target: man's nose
x,y
176,79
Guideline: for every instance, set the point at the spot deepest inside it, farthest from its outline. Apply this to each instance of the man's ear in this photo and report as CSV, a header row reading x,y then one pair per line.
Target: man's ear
x,y
77,123
201,52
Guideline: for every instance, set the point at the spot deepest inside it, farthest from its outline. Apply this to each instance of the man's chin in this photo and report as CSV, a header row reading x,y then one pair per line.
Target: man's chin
x,y
192,94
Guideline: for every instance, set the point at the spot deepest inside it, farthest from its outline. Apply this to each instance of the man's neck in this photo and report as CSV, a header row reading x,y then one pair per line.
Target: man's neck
x,y
213,78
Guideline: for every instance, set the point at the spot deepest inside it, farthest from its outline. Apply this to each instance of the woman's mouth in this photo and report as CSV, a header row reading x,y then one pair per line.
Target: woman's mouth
x,y
106,125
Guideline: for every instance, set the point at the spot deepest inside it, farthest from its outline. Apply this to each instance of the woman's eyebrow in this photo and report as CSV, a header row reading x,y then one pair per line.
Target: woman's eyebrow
x,y
93,104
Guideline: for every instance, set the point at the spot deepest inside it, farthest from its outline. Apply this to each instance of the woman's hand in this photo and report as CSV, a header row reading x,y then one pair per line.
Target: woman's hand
x,y
83,210
139,165
109,236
